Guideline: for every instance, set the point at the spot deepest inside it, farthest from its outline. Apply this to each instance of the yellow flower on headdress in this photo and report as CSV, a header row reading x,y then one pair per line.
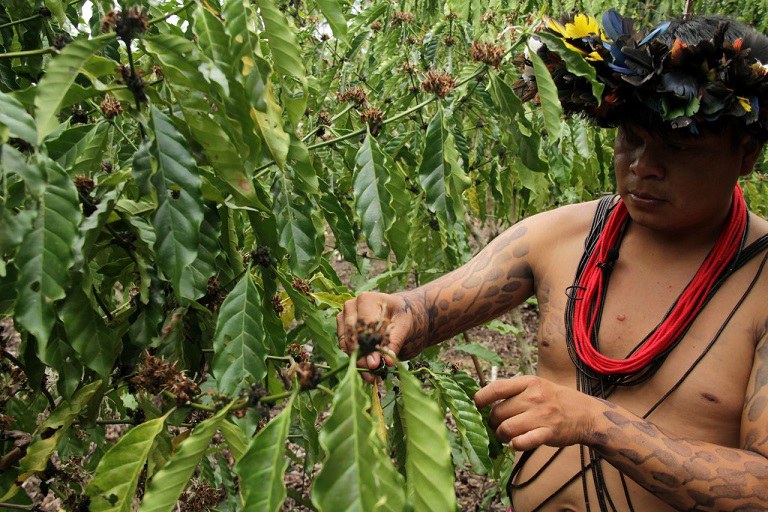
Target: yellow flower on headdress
x,y
581,26
760,68
744,102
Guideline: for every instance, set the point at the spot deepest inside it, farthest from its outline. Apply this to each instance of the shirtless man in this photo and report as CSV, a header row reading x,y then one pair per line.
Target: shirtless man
x,y
704,446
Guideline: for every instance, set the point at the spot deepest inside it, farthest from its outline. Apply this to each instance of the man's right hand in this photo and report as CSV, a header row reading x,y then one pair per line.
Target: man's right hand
x,y
375,308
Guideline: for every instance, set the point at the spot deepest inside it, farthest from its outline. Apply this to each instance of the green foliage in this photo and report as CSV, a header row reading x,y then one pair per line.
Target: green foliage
x,y
164,258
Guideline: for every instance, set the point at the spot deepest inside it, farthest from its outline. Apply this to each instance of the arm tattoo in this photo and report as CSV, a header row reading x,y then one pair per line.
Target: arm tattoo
x,y
496,280
689,474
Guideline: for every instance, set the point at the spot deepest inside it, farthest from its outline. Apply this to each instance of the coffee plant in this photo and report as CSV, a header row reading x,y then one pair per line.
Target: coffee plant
x,y
180,183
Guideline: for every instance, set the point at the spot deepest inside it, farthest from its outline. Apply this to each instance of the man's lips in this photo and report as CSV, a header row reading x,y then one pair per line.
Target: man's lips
x,y
645,196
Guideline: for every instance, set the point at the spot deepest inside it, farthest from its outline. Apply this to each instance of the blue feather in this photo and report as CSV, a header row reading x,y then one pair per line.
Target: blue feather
x,y
655,32
615,25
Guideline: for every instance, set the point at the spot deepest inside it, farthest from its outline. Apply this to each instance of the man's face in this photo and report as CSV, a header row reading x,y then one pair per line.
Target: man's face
x,y
673,182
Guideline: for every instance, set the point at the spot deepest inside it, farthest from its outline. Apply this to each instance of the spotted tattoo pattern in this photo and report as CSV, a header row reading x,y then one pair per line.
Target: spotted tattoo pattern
x,y
494,281
689,474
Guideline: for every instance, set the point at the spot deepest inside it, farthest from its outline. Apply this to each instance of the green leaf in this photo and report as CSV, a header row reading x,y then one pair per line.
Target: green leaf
x,y
307,418
113,486
236,439
141,168
262,467
286,54
469,423
90,153
94,342
15,117
69,144
167,484
429,473
52,430
58,78
47,253
340,224
331,9
179,202
574,61
399,233
504,97
441,177
481,352
550,102
177,58
270,125
212,37
347,479
299,227
372,198
239,344
194,282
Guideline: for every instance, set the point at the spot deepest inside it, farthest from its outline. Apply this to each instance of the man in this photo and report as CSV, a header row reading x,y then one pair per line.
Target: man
x,y
651,391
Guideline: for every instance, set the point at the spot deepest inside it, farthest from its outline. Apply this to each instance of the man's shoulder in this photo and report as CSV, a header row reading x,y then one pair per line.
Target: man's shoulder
x,y
564,221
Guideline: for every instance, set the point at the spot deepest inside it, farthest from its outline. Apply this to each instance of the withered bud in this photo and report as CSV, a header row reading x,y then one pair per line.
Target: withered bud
x,y
109,20
375,26
131,22
373,118
309,375
61,40
354,94
79,116
262,256
488,17
84,185
449,40
401,18
440,83
302,285
487,53
110,107
372,335
277,304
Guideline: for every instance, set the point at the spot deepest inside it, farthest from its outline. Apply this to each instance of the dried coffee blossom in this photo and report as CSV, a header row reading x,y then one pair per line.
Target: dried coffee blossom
x,y
61,40
109,20
262,256
213,294
131,22
487,53
401,18
84,185
488,17
79,116
372,336
155,375
200,497
277,304
375,26
308,374
449,40
303,286
355,95
297,352
440,83
374,119
408,68
110,107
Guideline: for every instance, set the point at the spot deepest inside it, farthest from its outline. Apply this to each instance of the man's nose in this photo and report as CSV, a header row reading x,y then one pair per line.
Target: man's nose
x,y
648,162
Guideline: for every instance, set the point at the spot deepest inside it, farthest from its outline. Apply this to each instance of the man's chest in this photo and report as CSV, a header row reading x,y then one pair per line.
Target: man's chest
x,y
707,371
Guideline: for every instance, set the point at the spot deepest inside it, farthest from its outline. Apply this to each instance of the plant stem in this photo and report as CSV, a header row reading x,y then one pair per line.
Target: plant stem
x,y
476,362
14,506
688,11
31,18
172,13
129,141
325,390
26,53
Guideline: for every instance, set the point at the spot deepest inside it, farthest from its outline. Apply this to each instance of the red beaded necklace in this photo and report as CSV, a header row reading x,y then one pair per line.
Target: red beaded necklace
x,y
593,283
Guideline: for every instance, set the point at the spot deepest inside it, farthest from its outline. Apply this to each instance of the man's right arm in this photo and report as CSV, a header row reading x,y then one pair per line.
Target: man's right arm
x,y
497,279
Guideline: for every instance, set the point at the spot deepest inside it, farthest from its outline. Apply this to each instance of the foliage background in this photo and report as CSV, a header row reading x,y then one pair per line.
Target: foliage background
x,y
182,188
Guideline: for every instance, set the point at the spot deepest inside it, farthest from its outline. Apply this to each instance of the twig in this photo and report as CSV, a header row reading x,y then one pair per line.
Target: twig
x,y
101,304
688,11
476,362
12,358
14,506
31,18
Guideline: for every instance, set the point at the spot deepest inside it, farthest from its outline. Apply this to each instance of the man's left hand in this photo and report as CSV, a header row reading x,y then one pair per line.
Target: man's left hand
x,y
530,411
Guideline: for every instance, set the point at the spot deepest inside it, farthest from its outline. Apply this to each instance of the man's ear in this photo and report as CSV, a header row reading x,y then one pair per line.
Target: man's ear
x,y
750,151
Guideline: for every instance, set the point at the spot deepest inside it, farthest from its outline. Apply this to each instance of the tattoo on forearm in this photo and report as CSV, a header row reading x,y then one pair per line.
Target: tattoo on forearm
x,y
689,475
494,281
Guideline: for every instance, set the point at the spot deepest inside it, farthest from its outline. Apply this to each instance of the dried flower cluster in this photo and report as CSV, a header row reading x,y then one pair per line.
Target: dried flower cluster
x,y
213,294
79,116
133,80
371,336
374,119
401,18
110,107
408,68
308,374
84,186
200,497
487,53
126,24
61,40
449,40
354,94
302,285
488,17
440,83
297,352
262,256
277,304
375,26
155,375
